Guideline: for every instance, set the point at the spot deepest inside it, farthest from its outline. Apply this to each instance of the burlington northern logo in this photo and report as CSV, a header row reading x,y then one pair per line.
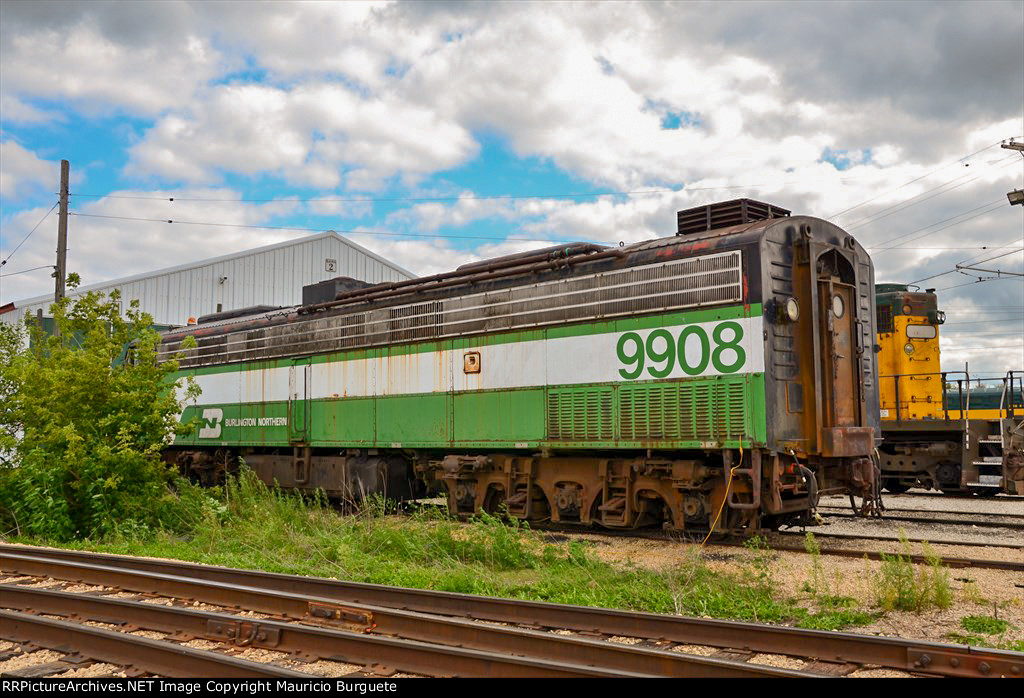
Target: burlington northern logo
x,y
210,423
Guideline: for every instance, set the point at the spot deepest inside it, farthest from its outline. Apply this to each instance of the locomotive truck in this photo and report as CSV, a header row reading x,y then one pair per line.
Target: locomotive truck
x,y
718,379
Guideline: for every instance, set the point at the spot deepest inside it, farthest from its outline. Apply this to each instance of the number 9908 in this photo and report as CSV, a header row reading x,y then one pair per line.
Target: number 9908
x,y
692,350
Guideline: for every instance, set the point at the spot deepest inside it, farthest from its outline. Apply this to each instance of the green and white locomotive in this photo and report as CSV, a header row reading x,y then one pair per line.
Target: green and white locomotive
x,y
721,378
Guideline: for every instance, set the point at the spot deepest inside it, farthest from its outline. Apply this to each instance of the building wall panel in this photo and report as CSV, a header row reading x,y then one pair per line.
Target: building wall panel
x,y
266,276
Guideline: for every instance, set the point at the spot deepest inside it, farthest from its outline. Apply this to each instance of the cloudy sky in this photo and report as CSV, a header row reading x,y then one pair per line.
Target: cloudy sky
x,y
449,132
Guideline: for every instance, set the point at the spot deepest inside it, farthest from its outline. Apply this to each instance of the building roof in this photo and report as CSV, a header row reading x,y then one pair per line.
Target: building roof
x,y
212,260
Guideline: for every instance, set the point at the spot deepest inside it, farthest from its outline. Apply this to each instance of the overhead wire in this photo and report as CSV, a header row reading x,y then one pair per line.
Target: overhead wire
x,y
984,210
908,203
916,179
316,230
539,195
977,280
25,271
5,261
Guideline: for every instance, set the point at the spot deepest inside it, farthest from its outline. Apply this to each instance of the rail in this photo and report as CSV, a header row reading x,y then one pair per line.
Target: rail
x,y
215,585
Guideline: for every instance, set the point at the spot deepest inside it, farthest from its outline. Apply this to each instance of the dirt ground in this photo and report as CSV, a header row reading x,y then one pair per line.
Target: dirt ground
x,y
976,592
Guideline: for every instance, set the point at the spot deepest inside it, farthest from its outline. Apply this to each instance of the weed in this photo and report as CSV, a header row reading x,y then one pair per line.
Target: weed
x,y
817,581
899,587
986,625
961,639
758,561
971,593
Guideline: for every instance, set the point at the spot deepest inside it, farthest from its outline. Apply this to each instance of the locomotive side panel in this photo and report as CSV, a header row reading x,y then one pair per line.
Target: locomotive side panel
x,y
681,380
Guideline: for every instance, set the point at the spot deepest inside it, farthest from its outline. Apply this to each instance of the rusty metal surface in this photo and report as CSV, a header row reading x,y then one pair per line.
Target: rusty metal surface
x,y
955,562
931,541
363,618
153,656
326,643
725,214
822,645
847,441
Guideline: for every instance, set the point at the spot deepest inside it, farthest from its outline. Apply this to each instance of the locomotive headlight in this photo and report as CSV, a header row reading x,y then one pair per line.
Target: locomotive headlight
x,y
792,309
908,348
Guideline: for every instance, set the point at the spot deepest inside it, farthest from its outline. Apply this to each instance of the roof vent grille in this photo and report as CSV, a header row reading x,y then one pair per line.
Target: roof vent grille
x,y
725,214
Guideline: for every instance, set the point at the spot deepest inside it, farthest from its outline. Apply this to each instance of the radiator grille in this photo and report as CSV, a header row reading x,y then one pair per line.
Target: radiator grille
x,y
682,411
580,415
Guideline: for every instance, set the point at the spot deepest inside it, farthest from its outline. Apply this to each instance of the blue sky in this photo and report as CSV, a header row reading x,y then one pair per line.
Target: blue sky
x,y
462,130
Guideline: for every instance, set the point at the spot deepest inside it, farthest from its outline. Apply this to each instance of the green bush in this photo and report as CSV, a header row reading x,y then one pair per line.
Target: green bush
x,y
83,423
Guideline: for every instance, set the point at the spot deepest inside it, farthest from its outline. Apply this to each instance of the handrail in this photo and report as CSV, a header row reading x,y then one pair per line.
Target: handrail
x,y
1011,399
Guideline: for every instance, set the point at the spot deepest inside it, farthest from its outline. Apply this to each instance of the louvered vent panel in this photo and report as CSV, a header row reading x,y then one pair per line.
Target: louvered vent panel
x,y
674,412
730,405
581,415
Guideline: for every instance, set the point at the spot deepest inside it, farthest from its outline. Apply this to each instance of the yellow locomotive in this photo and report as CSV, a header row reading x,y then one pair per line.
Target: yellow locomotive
x,y
938,432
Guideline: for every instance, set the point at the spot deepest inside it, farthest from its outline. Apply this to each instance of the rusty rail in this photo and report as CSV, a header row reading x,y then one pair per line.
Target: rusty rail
x,y
580,655
931,520
891,539
303,640
153,656
932,658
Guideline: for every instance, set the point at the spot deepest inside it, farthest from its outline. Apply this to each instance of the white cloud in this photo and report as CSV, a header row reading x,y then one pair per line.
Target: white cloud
x,y
16,111
315,135
22,171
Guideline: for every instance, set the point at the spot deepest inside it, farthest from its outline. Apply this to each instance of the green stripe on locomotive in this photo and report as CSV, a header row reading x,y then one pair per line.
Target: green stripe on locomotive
x,y
678,413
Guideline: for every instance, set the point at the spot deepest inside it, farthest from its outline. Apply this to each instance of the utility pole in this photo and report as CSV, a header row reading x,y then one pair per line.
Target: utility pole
x,y
62,232
60,271
1016,196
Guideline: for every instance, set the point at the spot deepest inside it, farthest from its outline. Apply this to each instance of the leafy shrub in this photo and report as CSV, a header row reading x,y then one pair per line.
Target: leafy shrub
x,y
85,414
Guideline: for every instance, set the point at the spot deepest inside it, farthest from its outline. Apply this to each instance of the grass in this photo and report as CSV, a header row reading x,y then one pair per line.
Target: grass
x,y
248,525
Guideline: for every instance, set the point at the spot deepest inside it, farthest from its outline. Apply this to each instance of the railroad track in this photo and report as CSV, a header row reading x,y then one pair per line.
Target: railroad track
x,y
953,512
896,539
437,633
780,541
960,495
1016,523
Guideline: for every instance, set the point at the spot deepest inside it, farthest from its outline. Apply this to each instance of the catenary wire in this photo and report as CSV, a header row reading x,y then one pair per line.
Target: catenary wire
x,y
317,230
29,234
916,179
25,271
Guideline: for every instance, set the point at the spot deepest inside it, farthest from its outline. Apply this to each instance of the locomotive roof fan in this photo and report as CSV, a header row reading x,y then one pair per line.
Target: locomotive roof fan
x,y
725,214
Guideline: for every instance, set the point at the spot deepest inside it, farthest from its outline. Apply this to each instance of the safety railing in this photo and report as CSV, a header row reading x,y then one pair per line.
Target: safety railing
x,y
1011,401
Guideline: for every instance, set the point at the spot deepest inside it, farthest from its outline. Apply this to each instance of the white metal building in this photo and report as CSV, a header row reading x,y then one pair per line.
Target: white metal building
x,y
270,275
